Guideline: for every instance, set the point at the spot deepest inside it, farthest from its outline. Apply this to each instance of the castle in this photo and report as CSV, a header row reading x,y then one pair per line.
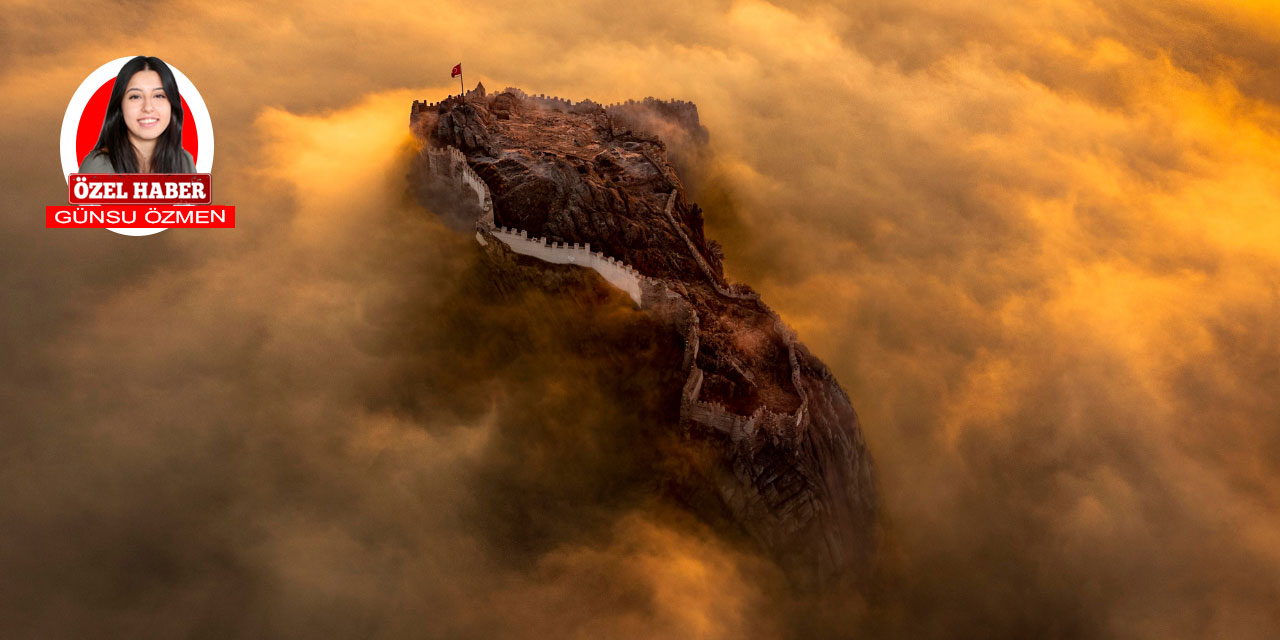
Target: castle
x,y
636,115
450,165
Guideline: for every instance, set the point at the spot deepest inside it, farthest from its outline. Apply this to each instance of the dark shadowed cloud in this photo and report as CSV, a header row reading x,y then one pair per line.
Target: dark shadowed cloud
x,y
1039,247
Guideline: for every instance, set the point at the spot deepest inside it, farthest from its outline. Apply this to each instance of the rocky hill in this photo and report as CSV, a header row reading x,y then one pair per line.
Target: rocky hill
x,y
771,445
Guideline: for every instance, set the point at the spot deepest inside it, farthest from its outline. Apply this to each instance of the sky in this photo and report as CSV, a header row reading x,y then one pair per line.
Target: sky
x,y
1038,246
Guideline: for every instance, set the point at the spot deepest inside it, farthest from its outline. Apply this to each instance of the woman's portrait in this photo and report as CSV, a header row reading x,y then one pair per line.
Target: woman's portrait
x,y
142,130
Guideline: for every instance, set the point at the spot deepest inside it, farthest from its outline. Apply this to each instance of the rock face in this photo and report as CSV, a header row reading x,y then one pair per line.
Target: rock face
x,y
775,447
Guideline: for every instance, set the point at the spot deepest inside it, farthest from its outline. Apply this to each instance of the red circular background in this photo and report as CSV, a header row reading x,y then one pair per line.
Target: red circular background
x,y
96,111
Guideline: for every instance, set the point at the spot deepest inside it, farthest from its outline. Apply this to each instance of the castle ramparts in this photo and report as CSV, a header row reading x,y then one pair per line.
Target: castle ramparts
x,y
451,163
697,256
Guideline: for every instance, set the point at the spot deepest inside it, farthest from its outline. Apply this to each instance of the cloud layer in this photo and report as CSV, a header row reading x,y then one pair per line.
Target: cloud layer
x,y
1039,247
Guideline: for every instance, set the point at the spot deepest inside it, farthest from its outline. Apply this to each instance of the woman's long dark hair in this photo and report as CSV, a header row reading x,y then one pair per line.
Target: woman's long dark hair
x,y
114,139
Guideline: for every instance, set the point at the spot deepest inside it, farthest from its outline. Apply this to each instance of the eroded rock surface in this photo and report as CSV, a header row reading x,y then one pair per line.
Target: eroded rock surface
x,y
774,446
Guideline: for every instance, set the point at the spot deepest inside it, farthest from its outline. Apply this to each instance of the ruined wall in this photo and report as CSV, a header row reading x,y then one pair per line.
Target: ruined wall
x,y
451,163
554,103
659,117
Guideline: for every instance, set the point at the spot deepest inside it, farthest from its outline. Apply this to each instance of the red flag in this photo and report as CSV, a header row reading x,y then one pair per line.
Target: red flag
x,y
457,70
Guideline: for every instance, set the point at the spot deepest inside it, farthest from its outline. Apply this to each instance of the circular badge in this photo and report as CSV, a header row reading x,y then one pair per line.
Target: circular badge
x,y
83,122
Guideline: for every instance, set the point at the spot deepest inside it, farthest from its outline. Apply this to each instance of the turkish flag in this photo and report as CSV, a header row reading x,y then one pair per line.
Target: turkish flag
x,y
457,70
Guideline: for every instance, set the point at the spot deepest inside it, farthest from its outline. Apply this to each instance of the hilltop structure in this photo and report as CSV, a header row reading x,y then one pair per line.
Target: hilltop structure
x,y
576,183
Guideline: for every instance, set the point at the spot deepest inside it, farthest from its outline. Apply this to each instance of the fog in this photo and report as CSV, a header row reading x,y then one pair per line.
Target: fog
x,y
1039,247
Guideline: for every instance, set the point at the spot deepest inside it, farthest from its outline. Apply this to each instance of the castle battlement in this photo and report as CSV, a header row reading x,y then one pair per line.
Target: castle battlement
x,y
452,162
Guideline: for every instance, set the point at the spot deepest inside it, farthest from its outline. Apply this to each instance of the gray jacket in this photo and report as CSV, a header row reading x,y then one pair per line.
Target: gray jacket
x,y
101,163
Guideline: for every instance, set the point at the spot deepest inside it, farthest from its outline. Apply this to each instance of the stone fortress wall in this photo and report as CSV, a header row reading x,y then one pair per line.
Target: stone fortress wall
x,y
637,115
739,427
624,112
614,271
557,103
420,106
727,292
649,100
627,113
450,163
553,103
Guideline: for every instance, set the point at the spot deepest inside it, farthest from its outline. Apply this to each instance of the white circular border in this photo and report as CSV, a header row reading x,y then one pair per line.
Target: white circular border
x,y
91,84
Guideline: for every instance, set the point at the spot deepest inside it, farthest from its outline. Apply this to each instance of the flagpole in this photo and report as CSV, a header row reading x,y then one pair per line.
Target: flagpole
x,y
462,87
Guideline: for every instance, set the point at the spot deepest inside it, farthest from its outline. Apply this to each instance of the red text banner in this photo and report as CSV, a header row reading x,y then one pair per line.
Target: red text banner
x,y
140,217
140,188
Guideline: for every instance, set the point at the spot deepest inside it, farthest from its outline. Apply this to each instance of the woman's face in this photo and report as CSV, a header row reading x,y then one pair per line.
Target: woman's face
x,y
146,107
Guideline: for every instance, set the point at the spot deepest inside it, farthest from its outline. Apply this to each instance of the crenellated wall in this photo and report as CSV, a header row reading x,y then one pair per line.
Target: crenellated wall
x,y
448,161
713,414
451,163
614,271
556,103
653,117
569,104
650,101
697,256
737,426
552,101
683,110
422,105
